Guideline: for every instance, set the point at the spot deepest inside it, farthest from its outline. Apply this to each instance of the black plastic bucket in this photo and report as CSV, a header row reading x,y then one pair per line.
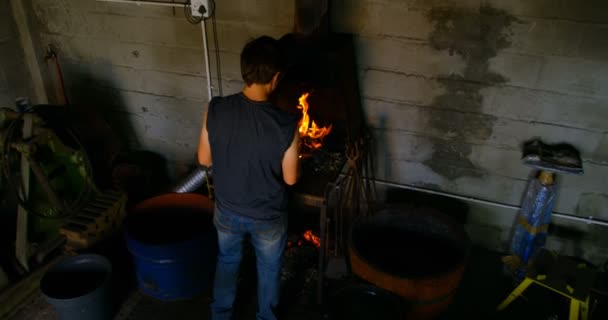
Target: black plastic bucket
x,y
79,288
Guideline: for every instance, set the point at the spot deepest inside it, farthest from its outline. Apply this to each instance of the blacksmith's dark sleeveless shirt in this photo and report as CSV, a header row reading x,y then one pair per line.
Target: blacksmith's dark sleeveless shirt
x,y
248,140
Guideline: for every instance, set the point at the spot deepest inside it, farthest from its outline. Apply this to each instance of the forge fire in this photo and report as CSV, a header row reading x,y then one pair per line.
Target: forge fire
x,y
311,134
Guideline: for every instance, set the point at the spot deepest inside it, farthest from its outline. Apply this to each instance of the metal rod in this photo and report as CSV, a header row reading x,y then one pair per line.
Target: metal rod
x,y
321,275
565,216
207,65
153,3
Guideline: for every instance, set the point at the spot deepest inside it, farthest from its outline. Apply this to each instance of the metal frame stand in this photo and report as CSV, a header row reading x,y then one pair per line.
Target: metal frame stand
x,y
325,204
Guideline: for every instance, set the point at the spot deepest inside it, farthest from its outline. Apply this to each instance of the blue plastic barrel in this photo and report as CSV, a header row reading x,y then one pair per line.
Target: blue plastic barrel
x,y
174,245
79,288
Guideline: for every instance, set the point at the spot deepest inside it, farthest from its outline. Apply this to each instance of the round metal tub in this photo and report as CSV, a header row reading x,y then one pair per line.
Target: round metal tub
x,y
418,254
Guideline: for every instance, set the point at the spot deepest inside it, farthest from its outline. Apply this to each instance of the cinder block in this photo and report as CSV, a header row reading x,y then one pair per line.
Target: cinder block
x,y
492,187
385,19
56,18
189,35
3,82
514,133
232,35
15,74
232,10
96,26
601,153
458,4
158,57
403,144
545,37
270,12
546,107
593,204
591,10
172,84
396,21
572,190
517,69
490,236
6,99
133,10
230,66
175,154
168,32
507,134
102,99
594,44
569,37
477,184
395,86
410,172
126,78
126,28
78,74
486,214
231,86
437,123
71,47
574,76
7,28
419,147
406,56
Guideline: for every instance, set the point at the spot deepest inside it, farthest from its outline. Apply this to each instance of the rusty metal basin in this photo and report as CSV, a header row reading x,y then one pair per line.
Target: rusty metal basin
x,y
419,254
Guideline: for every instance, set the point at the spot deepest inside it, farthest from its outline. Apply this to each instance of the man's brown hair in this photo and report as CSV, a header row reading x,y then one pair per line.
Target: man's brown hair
x,y
261,59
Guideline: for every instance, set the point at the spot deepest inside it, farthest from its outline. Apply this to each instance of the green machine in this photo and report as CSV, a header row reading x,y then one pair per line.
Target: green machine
x,y
47,170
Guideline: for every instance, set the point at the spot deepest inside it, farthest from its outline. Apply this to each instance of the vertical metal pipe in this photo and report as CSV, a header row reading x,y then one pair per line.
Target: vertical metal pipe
x,y
207,64
323,240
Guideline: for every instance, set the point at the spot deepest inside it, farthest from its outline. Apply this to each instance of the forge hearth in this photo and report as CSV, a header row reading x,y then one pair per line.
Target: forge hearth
x,y
322,71
323,68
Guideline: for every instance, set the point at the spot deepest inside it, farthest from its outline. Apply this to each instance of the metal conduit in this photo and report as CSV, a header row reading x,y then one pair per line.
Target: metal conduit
x,y
154,3
565,216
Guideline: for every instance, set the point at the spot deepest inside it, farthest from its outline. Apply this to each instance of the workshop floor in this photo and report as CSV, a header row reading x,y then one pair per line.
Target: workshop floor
x,y
482,288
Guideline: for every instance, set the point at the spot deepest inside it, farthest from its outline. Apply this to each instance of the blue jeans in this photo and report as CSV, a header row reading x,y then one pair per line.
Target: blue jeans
x,y
268,238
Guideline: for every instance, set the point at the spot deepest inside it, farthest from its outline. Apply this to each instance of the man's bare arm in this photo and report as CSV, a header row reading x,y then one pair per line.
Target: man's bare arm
x,y
204,150
291,162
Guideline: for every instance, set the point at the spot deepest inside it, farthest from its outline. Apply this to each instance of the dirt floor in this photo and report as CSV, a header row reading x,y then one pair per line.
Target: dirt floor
x,y
481,290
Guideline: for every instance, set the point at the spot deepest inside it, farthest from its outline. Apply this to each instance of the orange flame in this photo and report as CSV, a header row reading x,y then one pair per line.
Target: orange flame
x,y
311,131
310,237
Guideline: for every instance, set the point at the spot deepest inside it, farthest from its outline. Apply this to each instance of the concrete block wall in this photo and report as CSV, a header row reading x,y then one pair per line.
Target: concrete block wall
x,y
452,88
14,76
143,66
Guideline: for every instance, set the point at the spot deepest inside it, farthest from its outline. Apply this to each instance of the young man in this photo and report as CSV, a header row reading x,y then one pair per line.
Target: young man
x,y
253,147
